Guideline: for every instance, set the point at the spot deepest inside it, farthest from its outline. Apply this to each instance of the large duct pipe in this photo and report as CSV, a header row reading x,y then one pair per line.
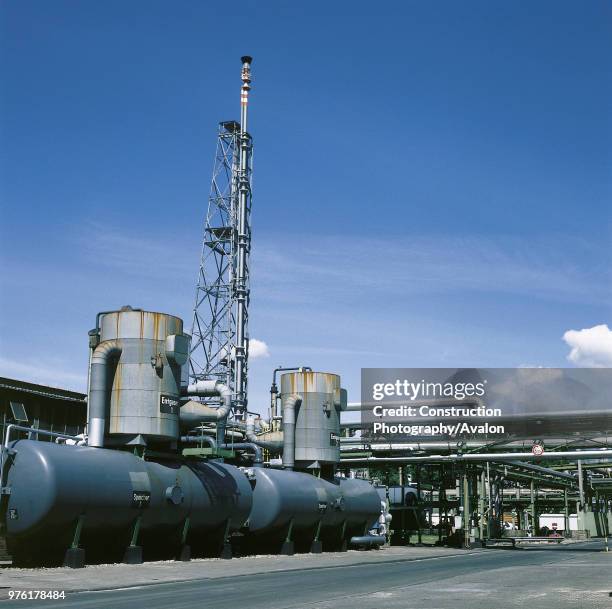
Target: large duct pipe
x,y
209,389
289,405
100,385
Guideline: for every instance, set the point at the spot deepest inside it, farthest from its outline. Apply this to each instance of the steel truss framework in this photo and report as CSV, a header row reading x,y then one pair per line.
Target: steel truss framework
x,y
222,290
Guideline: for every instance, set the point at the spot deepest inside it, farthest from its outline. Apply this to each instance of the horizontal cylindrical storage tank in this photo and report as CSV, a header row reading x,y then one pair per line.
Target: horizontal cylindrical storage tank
x,y
145,376
317,416
53,486
296,504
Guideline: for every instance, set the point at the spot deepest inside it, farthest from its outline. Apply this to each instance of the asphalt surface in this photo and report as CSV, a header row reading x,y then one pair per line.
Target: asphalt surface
x,y
567,576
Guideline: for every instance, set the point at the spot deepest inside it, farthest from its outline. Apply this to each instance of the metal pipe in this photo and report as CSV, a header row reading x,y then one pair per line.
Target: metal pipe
x,y
580,484
565,454
508,443
274,388
467,512
566,522
543,470
99,390
532,510
209,389
204,439
244,238
289,405
368,540
257,453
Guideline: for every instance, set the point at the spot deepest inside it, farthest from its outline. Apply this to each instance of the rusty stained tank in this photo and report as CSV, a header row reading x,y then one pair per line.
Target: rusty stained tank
x,y
145,391
317,417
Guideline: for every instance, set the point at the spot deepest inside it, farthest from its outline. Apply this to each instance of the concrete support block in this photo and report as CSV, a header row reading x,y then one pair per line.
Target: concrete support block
x,y
133,555
226,552
74,558
287,549
184,554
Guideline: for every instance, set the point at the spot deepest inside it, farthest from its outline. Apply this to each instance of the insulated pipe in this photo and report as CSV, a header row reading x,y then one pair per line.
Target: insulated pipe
x,y
289,405
209,389
100,385
368,540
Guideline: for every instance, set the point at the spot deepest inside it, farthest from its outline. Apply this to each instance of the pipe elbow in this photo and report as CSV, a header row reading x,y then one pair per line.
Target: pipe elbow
x,y
225,393
105,351
210,389
99,390
289,405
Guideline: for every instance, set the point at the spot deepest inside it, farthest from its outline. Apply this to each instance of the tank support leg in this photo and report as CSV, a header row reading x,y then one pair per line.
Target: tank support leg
x,y
226,550
75,556
288,547
133,553
343,539
184,553
316,547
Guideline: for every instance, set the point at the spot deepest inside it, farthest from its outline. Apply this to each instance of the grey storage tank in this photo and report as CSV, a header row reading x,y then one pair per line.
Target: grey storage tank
x,y
116,500
135,377
302,509
316,399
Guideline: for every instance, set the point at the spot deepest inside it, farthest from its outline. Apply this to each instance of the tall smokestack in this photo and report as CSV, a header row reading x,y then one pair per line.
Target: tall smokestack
x,y
244,238
244,92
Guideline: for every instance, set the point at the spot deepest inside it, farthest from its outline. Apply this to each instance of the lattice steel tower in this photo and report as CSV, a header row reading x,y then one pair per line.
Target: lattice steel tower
x,y
220,343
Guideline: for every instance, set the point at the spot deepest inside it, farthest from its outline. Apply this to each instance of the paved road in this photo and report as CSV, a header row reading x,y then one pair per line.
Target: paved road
x,y
572,577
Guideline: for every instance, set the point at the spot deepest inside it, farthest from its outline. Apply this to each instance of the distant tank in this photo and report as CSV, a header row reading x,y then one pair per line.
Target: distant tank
x,y
301,508
315,400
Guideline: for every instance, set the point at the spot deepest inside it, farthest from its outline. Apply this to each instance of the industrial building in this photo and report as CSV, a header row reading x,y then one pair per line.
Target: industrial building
x,y
40,406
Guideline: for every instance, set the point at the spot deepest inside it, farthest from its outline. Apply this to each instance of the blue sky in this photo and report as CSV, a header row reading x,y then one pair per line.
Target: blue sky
x,y
432,179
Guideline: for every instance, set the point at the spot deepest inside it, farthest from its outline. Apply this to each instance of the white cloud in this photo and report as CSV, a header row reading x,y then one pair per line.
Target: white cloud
x,y
257,348
591,347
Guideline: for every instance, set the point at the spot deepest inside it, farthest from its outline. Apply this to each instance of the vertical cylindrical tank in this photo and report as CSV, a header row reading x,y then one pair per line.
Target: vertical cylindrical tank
x,y
317,417
146,378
